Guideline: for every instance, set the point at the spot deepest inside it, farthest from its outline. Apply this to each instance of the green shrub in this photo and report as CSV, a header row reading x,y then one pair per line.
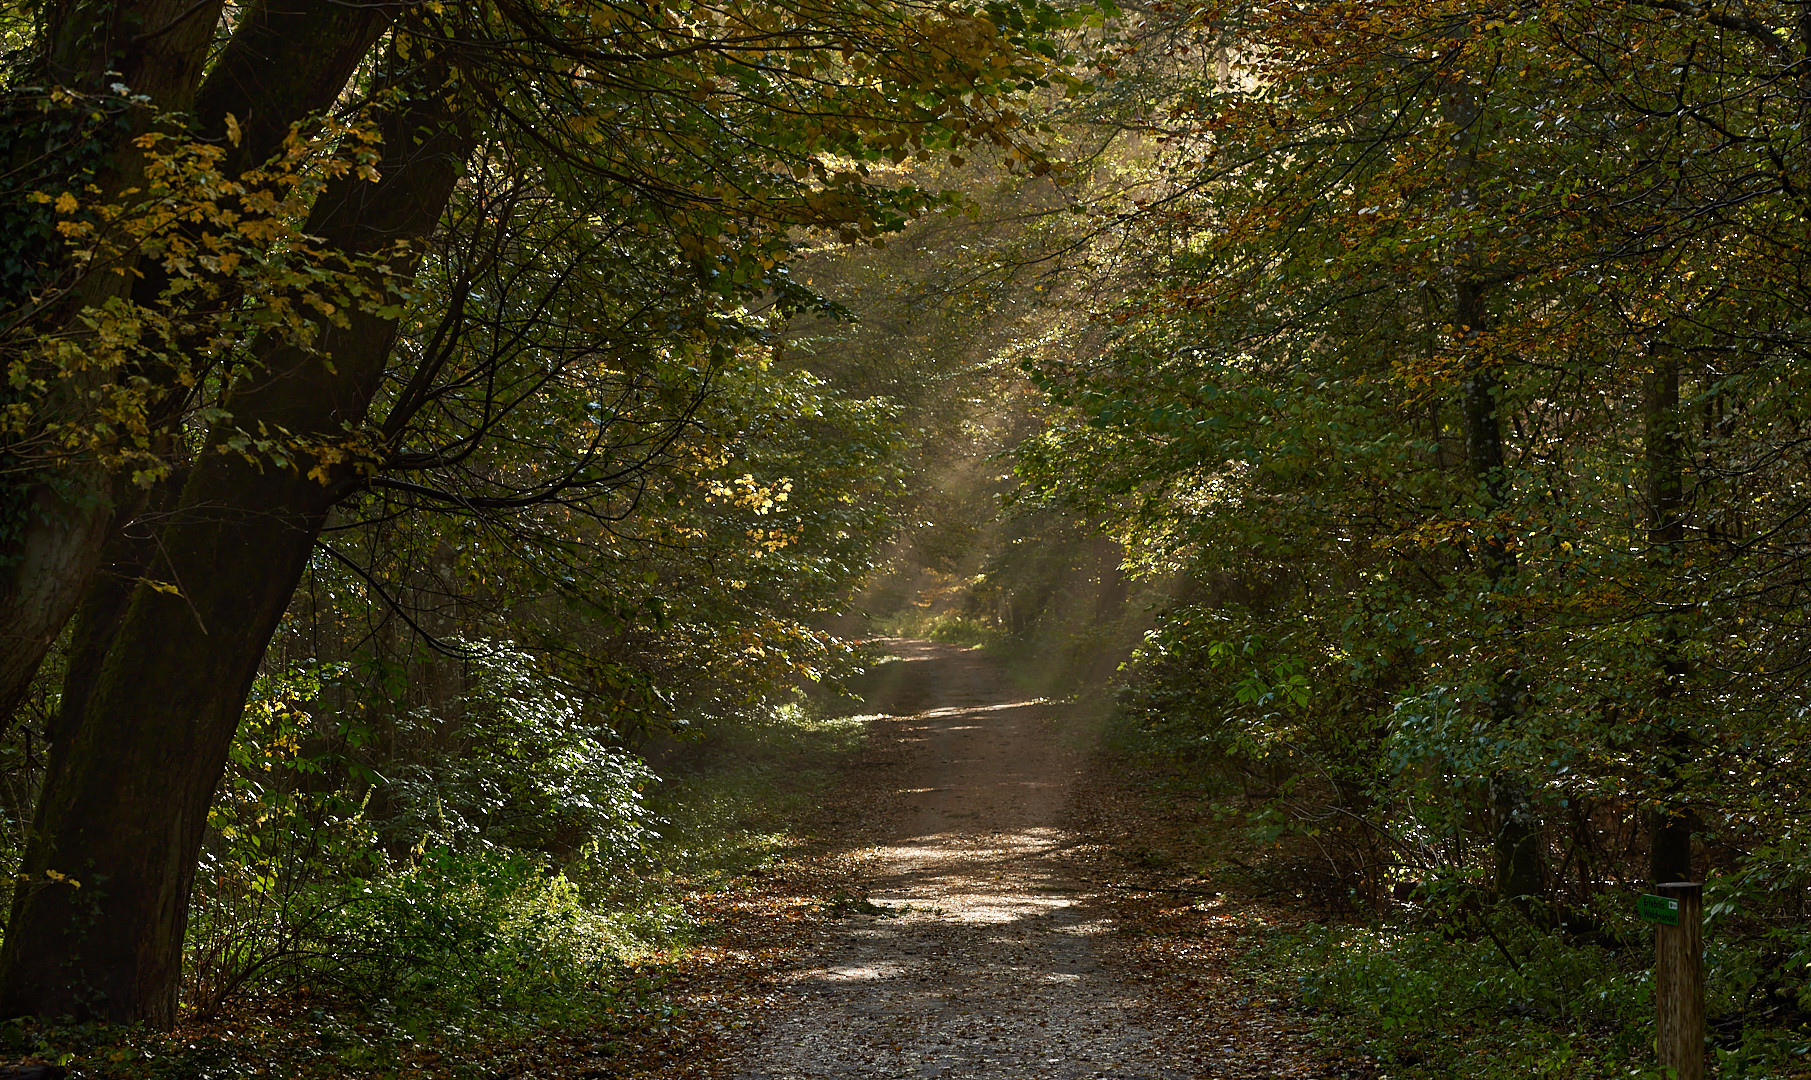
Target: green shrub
x,y
299,882
1427,1004
1490,995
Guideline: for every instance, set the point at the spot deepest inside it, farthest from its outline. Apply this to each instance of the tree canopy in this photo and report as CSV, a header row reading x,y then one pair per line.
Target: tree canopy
x,y
415,411
440,297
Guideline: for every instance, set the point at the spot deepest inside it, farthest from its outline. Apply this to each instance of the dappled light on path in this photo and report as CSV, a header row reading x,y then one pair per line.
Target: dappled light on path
x,y
968,909
972,951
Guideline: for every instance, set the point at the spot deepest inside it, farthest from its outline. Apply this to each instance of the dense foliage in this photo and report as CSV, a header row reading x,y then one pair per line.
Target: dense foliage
x,y
396,460
394,444
1450,356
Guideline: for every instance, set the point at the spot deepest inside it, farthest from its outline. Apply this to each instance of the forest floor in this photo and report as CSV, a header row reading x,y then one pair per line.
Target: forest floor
x,y
984,893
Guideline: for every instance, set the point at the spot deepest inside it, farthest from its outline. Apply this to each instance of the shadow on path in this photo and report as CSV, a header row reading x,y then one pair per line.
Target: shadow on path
x,y
975,951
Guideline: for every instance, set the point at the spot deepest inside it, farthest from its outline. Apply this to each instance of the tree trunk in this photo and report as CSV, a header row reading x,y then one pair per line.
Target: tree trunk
x,y
1514,821
132,780
156,48
287,60
1669,824
58,546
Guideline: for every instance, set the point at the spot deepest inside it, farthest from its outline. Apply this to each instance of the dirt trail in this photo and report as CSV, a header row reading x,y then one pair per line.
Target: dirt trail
x,y
967,940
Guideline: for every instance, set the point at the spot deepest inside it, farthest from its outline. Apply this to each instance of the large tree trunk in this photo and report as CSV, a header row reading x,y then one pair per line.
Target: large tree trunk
x,y
1514,822
156,48
126,804
287,60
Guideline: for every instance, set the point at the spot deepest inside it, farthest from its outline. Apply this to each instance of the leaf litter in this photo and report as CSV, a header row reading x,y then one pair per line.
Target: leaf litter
x,y
973,902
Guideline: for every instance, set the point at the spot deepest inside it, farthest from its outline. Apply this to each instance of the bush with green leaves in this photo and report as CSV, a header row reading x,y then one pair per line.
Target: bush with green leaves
x,y
514,761
1460,989
458,879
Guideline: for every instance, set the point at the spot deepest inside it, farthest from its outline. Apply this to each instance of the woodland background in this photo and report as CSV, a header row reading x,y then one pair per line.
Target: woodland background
x,y
451,455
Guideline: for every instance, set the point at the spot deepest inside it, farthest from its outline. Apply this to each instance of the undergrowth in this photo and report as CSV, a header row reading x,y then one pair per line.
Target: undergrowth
x,y
1438,980
730,807
1507,999
467,959
950,627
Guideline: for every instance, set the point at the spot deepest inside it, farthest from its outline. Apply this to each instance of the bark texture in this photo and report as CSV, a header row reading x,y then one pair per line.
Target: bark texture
x,y
155,48
1679,984
136,771
287,60
1669,822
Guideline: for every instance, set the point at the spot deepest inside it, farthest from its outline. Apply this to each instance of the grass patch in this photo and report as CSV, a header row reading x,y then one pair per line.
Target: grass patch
x,y
731,805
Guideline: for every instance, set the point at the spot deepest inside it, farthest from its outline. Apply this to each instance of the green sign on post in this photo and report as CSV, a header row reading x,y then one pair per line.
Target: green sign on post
x,y
1658,909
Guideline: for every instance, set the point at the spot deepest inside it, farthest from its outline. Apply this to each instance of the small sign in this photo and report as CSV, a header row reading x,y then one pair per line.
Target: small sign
x,y
1658,909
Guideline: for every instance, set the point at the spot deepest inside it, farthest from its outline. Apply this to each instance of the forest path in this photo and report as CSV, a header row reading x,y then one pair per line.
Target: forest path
x,y
955,922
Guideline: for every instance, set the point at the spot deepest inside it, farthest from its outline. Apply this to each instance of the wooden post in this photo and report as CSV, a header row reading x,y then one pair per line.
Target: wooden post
x,y
1679,983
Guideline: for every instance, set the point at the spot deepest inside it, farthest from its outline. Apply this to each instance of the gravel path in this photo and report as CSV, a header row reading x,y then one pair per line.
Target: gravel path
x,y
966,912
974,951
